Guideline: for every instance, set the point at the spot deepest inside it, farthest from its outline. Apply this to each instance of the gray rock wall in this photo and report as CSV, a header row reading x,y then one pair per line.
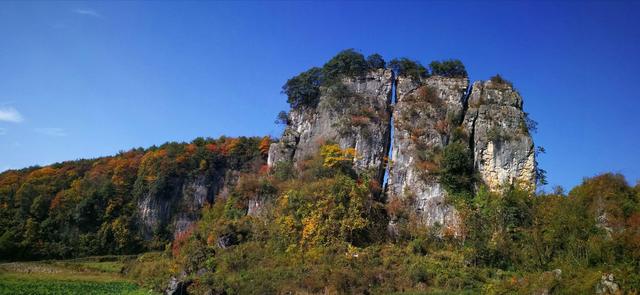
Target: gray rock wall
x,y
425,117
180,207
359,120
425,113
503,149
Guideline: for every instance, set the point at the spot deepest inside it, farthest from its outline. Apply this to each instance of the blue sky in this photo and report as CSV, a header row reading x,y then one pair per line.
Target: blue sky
x,y
87,79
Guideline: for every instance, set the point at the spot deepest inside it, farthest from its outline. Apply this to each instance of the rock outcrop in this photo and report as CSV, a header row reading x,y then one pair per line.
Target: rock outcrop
x,y
180,206
503,150
424,116
608,285
353,114
429,114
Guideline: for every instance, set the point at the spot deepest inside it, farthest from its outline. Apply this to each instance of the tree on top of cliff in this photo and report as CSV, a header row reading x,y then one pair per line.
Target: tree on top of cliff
x,y
304,89
452,68
406,67
347,62
375,61
499,81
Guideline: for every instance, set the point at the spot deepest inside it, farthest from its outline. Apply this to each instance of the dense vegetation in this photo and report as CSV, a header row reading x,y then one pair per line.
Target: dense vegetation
x,y
303,90
452,68
499,81
410,68
320,231
89,207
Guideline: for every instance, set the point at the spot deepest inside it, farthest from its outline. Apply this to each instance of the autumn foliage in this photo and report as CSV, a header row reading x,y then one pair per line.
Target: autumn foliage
x,y
89,207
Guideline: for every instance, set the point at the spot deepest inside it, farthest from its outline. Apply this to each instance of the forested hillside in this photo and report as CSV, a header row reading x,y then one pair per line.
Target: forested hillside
x,y
90,207
322,233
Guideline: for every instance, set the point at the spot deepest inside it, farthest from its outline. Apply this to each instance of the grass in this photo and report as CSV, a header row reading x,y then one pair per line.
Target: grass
x,y
85,276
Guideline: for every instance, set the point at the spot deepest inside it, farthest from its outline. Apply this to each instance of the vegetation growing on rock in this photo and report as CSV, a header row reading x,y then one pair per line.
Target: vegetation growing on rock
x,y
375,61
452,68
499,81
407,67
329,234
303,90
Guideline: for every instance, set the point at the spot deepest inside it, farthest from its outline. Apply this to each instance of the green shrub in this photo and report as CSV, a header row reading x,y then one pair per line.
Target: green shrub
x,y
338,96
418,273
452,68
530,124
282,118
283,170
456,168
409,68
151,270
303,90
494,134
346,63
375,61
497,80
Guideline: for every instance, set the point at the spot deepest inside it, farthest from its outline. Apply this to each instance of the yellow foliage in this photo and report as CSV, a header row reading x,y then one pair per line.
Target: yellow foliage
x,y
203,165
310,227
265,143
150,178
42,172
333,155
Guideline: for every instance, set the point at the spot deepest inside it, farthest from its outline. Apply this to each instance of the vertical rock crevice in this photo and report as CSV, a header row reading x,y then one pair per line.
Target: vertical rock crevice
x,y
391,130
399,127
502,147
353,114
426,113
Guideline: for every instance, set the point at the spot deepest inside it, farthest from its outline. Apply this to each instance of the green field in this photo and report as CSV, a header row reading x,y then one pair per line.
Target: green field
x,y
80,276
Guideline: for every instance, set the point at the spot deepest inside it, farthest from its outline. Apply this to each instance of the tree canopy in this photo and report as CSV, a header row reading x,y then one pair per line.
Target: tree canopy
x,y
303,90
407,67
452,68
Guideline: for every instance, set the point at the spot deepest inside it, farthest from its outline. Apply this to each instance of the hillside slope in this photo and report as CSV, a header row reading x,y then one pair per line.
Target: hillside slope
x,y
134,201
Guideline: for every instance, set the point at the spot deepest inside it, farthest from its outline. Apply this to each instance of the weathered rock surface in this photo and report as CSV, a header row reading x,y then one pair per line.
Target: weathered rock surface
x,y
354,116
177,287
425,113
180,206
428,114
608,285
502,146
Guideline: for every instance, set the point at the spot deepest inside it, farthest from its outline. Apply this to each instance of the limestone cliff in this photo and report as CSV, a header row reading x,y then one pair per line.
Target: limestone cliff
x,y
178,208
503,150
353,113
176,181
429,113
424,116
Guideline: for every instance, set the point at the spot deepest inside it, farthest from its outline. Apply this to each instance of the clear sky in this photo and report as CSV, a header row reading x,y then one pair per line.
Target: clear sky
x,y
87,79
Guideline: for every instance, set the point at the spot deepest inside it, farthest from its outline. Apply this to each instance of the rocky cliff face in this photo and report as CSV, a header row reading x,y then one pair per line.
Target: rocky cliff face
x,y
503,150
424,116
180,207
176,209
353,114
428,114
